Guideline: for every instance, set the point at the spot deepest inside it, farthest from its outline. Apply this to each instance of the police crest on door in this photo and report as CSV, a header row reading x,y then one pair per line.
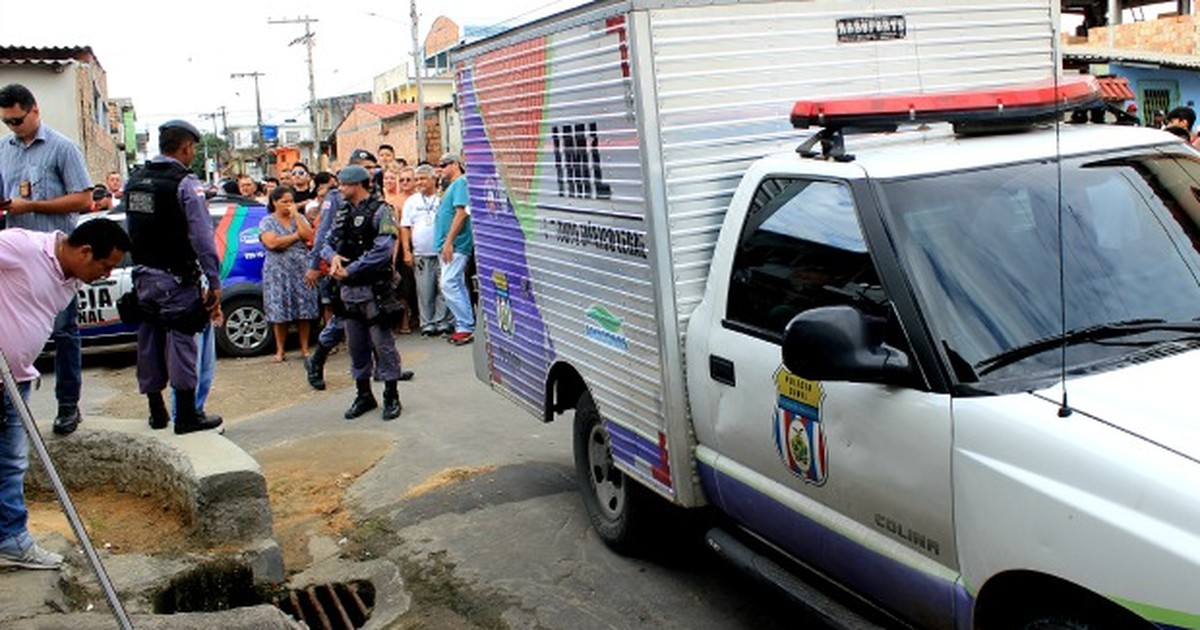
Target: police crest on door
x,y
798,431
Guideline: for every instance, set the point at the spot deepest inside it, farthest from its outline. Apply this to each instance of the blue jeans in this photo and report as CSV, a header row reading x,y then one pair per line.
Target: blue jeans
x,y
14,460
206,364
68,357
453,283
333,333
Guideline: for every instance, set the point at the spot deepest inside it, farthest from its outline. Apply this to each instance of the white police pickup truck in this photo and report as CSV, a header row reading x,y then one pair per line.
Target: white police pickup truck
x,y
942,366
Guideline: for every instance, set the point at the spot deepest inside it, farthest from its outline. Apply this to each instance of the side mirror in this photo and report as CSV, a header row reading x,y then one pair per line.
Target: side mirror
x,y
840,343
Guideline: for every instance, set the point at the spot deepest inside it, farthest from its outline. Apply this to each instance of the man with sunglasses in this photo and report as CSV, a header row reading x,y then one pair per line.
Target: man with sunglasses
x,y
47,185
303,184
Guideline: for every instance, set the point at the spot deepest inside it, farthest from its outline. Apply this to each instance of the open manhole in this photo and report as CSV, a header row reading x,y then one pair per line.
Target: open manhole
x,y
336,606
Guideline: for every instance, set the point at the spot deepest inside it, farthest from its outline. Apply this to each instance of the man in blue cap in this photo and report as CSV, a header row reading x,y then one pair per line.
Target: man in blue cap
x,y
359,252
176,275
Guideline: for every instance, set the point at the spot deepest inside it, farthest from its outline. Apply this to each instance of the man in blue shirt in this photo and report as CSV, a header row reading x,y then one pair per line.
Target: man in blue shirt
x,y
454,242
48,182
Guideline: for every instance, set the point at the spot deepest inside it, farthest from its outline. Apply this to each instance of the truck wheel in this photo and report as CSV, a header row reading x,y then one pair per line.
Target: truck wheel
x,y
617,506
246,332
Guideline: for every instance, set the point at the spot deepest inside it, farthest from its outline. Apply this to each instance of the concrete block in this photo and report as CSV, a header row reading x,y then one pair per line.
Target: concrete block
x,y
217,485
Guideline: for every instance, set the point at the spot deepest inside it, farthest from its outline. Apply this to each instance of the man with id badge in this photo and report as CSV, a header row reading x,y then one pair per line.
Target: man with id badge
x,y
46,185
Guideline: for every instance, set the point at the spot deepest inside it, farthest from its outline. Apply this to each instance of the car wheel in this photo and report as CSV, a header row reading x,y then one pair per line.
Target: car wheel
x,y
619,508
246,332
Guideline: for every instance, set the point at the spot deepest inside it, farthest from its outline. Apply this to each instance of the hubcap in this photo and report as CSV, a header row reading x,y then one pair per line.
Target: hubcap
x,y
247,328
607,482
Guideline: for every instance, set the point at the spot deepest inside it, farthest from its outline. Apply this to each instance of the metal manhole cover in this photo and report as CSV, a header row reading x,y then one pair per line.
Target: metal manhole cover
x,y
336,606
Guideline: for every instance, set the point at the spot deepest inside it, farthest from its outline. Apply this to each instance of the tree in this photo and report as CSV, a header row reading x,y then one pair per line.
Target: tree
x,y
211,146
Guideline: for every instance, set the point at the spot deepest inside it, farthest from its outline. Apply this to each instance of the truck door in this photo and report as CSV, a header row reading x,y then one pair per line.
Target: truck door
x,y
851,478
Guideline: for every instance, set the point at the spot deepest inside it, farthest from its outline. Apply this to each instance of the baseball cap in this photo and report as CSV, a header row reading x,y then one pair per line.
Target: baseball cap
x,y
353,174
359,155
180,124
448,158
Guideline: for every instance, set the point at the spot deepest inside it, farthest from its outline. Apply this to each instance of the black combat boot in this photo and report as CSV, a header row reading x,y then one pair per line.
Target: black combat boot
x,y
159,418
364,401
186,418
391,401
314,366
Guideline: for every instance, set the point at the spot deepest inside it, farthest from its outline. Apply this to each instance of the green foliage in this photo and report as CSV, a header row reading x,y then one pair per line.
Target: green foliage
x,y
217,148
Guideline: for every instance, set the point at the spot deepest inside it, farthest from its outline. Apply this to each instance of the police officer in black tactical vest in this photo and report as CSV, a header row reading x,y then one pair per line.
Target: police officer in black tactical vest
x,y
359,252
176,275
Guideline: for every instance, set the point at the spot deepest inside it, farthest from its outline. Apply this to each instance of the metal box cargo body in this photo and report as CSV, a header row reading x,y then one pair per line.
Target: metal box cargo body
x,y
603,146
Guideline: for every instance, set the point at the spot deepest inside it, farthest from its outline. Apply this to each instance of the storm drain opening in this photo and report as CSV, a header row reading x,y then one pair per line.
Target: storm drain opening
x,y
336,606
210,587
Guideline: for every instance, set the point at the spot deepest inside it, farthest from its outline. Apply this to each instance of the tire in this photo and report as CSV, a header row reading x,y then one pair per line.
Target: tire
x,y
246,332
618,507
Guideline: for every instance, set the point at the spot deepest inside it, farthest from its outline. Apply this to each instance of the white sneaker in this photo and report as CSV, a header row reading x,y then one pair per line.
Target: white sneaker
x,y
35,557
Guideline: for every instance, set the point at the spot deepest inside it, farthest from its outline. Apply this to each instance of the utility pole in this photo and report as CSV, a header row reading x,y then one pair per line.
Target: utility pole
x,y
217,164
307,40
262,143
418,68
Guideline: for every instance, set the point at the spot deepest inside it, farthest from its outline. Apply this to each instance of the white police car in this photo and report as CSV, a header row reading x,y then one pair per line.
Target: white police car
x,y
245,332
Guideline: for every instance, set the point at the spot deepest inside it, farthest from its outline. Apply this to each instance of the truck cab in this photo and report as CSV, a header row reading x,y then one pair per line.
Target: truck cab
x,y
915,370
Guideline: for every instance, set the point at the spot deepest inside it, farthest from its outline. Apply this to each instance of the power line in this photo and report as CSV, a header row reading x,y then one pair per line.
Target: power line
x,y
307,40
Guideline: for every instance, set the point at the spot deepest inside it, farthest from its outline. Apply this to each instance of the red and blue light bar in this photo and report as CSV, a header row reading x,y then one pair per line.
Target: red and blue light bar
x,y
1019,102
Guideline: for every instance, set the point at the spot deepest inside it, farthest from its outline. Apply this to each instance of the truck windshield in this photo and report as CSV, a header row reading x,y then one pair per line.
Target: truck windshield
x,y
982,249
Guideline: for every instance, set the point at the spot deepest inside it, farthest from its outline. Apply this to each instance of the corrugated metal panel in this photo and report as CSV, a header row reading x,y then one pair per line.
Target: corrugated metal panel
x,y
549,125
727,75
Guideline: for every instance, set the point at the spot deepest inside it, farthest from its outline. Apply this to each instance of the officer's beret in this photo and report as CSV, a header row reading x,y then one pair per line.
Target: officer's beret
x,y
180,124
359,155
353,174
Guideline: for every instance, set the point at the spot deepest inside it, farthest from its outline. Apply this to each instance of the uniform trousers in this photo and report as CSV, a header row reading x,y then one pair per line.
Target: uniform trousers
x,y
369,342
165,355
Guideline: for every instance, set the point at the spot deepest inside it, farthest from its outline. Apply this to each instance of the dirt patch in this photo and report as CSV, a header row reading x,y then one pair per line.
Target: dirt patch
x,y
307,480
444,478
118,521
241,387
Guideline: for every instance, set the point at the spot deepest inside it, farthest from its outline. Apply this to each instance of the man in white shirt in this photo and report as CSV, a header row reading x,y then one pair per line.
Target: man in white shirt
x,y
416,242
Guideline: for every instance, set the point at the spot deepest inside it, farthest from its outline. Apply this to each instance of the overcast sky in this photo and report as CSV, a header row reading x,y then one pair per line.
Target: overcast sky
x,y
178,67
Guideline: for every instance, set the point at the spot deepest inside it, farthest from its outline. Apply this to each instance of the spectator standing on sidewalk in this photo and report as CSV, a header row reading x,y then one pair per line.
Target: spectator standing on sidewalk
x,y
419,254
398,186
454,242
40,272
286,297
48,183
173,246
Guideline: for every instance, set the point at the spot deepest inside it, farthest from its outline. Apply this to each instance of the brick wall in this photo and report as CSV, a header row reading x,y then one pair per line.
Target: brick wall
x,y
95,139
1174,34
363,130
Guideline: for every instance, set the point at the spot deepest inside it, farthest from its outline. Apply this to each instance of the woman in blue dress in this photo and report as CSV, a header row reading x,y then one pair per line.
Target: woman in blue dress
x,y
287,235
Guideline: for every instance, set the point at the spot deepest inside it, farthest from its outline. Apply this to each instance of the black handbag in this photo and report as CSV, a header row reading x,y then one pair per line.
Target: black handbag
x,y
129,310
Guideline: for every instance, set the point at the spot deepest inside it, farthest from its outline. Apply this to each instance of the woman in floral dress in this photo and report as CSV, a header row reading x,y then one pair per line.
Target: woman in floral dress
x,y
284,232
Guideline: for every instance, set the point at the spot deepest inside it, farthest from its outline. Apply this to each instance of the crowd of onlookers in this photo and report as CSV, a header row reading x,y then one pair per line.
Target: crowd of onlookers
x,y
296,202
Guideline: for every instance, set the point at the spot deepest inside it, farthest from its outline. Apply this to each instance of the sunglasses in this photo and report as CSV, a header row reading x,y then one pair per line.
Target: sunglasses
x,y
15,122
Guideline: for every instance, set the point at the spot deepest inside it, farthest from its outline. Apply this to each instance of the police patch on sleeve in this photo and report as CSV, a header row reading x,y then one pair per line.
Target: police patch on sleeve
x,y
798,431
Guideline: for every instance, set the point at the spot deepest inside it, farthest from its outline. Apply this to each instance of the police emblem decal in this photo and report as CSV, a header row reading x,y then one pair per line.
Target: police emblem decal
x,y
797,428
358,221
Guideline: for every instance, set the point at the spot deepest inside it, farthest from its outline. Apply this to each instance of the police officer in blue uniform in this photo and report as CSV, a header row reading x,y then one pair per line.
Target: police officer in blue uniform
x,y
176,275
359,252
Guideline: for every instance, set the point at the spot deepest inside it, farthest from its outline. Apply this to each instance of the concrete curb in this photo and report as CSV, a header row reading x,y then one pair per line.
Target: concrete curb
x,y
216,484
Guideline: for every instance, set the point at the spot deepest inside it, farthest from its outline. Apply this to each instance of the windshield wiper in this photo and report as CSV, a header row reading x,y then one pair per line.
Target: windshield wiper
x,y
1082,335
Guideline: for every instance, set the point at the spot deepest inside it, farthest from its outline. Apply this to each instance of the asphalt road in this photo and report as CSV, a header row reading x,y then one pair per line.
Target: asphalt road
x,y
476,501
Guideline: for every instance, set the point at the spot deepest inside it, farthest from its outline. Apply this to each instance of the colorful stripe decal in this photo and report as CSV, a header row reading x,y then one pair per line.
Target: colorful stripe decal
x,y
928,600
1162,617
226,234
648,458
